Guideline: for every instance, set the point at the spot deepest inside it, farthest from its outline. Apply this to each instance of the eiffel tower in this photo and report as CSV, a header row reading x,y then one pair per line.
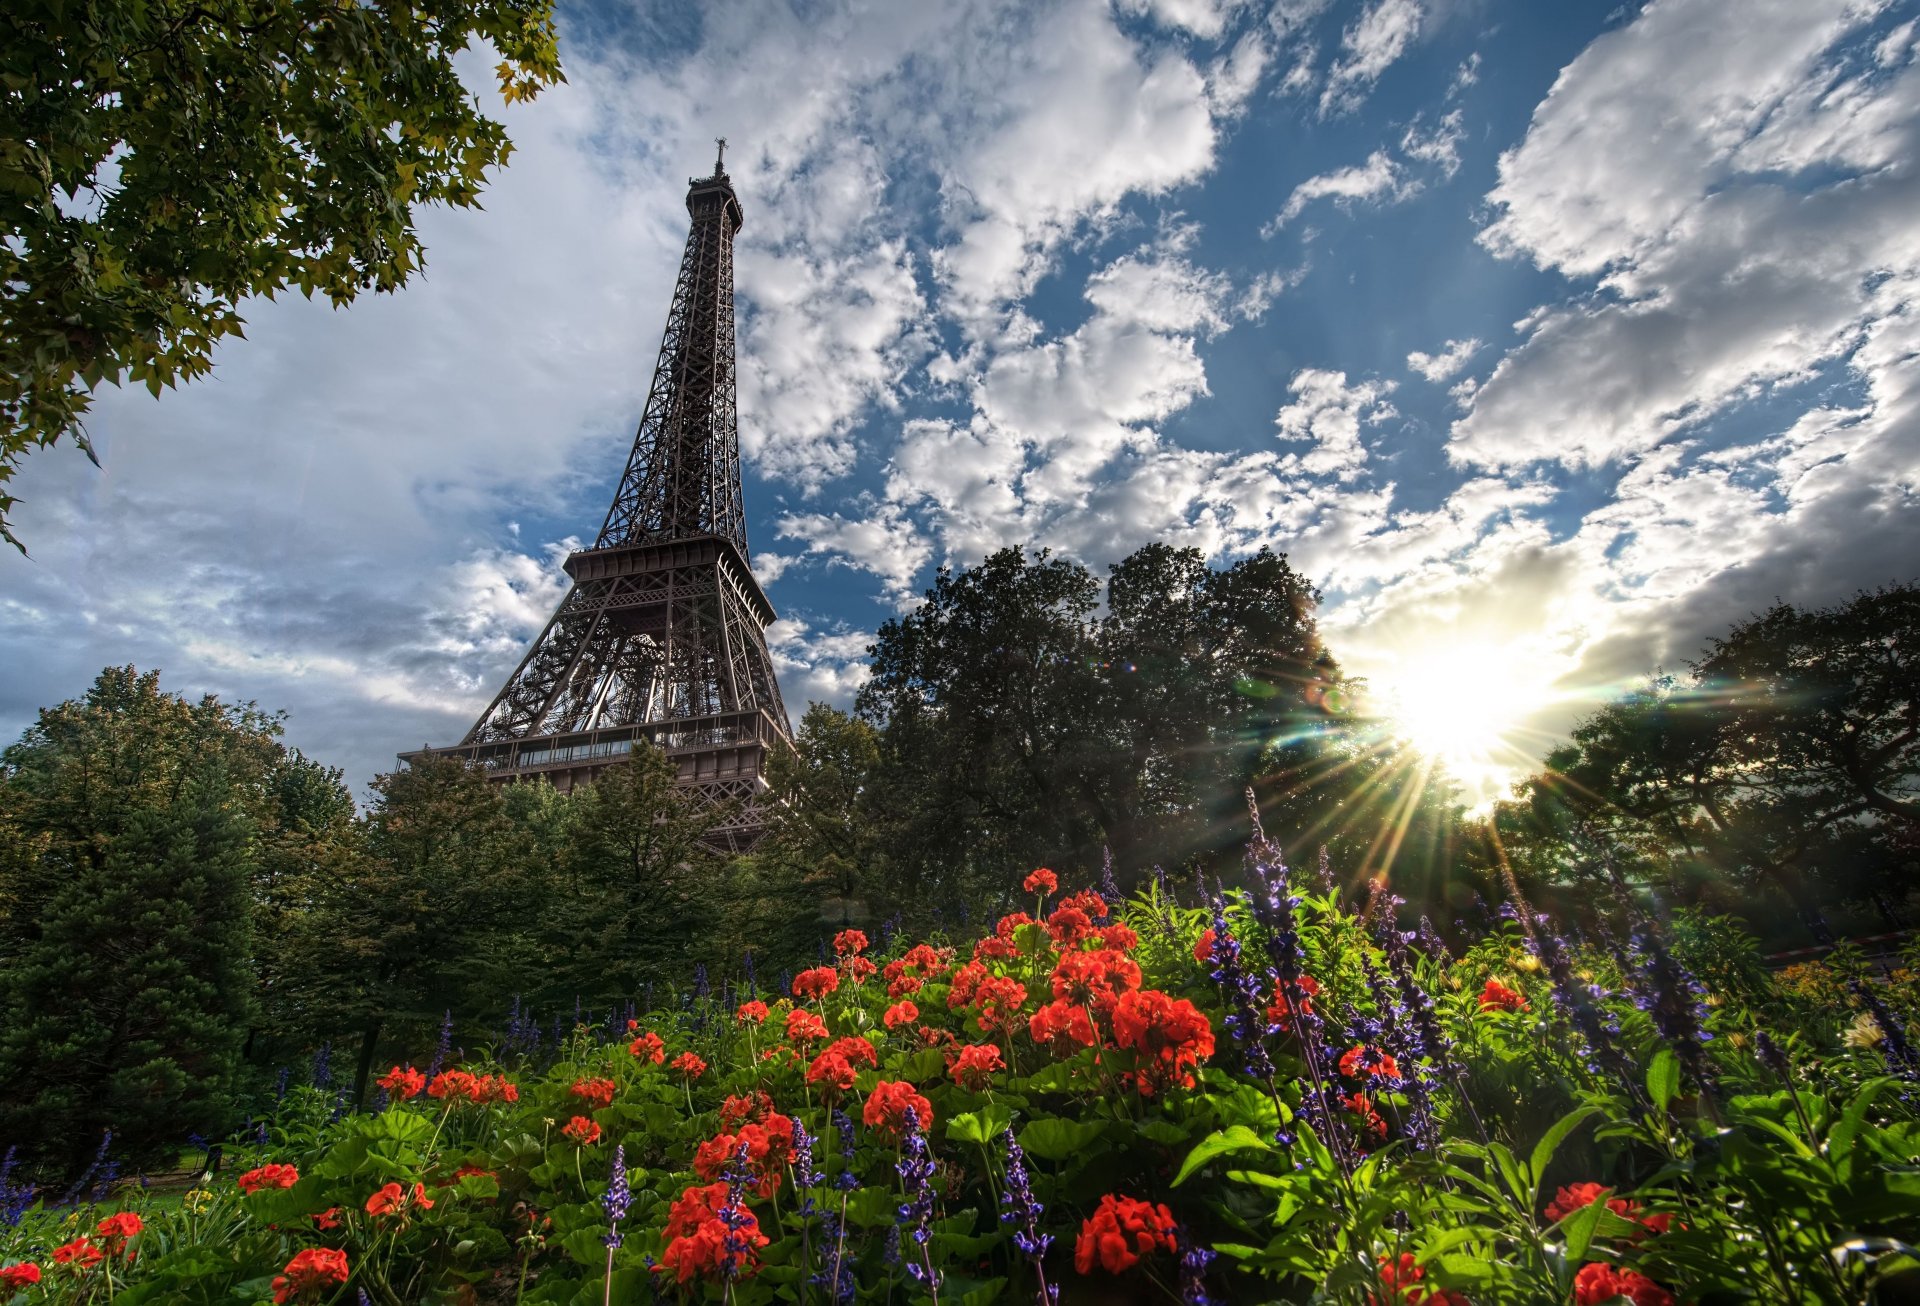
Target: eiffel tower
x,y
662,637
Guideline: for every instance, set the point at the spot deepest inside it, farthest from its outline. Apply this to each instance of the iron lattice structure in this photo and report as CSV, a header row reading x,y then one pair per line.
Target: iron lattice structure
x,y
662,636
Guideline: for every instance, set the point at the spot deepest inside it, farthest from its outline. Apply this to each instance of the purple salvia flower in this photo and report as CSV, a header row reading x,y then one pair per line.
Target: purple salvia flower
x,y
15,1198
1246,1020
1895,1046
1023,1211
734,1215
444,1047
915,1215
617,1201
1772,1056
1666,992
1580,1004
1431,943
847,1181
322,1073
280,1085
1109,887
1194,1260
1323,872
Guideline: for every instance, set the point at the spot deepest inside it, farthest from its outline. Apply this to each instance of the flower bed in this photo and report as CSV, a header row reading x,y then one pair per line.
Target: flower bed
x,y
1272,1097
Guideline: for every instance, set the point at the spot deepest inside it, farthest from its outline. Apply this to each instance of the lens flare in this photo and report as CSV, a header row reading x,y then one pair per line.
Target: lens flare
x,y
1466,706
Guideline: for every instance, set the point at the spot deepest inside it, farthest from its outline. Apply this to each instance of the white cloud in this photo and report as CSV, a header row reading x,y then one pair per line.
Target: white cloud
x,y
1452,357
1440,146
1203,18
882,542
817,666
1382,33
1328,413
1378,178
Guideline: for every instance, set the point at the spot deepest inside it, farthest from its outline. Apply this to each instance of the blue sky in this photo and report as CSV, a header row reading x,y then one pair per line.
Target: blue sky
x,y
1547,339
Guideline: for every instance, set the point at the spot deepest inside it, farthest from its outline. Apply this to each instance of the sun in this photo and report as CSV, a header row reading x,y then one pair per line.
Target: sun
x,y
1467,706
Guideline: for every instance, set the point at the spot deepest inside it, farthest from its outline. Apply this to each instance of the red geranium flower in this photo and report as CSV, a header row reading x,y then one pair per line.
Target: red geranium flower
x,y
649,1047
390,1198
856,1050
272,1175
1169,1036
751,1013
999,999
403,1084
1572,1197
976,1064
116,1229
1280,1012
1203,947
1365,1061
15,1277
1400,1276
804,1027
1498,997
901,983
887,1106
1089,902
698,1237
768,1148
965,981
816,982
1096,978
327,1219
860,969
847,941
80,1253
739,1109
1120,1233
1041,881
1068,925
1062,1027
690,1065
832,1074
900,1013
310,1273
1371,1121
582,1130
1598,1283
1118,936
596,1093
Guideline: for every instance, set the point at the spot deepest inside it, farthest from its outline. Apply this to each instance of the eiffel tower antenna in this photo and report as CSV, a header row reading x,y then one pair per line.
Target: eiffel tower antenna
x,y
662,637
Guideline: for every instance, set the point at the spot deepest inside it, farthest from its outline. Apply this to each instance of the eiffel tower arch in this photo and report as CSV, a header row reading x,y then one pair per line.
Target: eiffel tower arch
x,y
662,636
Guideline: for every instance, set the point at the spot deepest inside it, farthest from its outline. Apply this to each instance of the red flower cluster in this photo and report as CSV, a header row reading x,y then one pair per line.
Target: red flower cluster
x,y
479,1089
1203,948
999,999
966,981
905,976
403,1084
1068,925
1598,1283
596,1093
582,1131
769,1146
1371,1121
835,1069
751,1013
690,1065
80,1253
816,982
272,1175
1365,1061
975,1066
649,1047
805,1027
392,1198
1573,1197
1095,978
1120,1233
1498,997
1280,1012
1118,936
860,970
697,1236
1398,1277
1041,881
1001,945
887,1105
1089,902
900,1013
1062,1028
1169,1035
309,1274
740,1109
15,1277
849,941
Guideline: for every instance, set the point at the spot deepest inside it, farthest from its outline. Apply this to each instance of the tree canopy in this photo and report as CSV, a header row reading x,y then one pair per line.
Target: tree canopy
x,y
163,160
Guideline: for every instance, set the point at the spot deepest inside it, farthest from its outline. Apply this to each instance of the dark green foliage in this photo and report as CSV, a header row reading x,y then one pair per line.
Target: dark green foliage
x,y
250,147
131,821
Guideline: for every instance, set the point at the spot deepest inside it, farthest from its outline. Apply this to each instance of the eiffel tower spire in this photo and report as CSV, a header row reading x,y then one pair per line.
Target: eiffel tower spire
x,y
662,636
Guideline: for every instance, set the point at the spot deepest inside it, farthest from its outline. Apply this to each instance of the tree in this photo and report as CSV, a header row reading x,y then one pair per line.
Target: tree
x,y
1020,725
1788,761
164,160
128,826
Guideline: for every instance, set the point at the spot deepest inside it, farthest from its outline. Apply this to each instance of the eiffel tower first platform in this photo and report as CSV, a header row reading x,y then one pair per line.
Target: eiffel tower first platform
x,y
662,637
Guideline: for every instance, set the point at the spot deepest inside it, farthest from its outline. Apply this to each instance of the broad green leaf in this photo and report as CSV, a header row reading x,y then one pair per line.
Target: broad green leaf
x,y
1550,1143
981,1126
1056,1140
1663,1078
1235,1138
1578,1229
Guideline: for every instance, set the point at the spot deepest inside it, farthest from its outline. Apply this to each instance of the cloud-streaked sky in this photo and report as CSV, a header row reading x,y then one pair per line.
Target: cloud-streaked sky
x,y
1547,339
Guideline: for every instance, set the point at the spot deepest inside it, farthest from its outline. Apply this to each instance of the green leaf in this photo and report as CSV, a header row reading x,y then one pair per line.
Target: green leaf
x,y
1578,1229
1550,1143
989,1122
1236,1138
1663,1078
1056,1140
